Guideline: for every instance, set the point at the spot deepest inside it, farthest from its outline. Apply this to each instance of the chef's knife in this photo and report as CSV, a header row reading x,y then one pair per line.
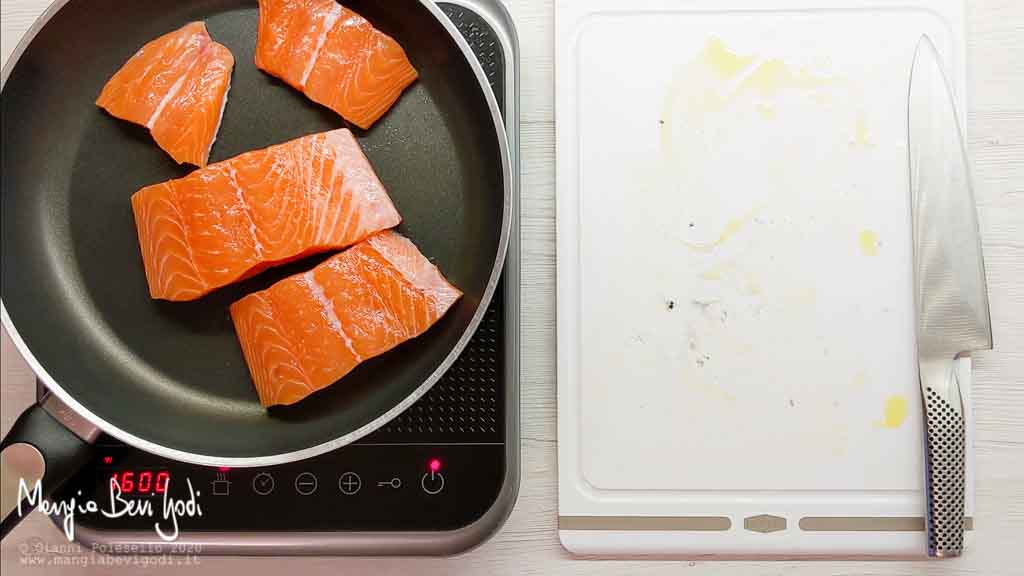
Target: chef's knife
x,y
952,297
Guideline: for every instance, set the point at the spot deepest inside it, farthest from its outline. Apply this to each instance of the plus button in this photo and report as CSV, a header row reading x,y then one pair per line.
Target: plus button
x,y
349,483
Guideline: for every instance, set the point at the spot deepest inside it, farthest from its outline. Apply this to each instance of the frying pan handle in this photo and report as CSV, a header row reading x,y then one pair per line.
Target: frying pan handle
x,y
48,444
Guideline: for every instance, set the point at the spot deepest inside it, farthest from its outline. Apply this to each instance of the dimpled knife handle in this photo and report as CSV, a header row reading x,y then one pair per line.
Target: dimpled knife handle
x,y
945,427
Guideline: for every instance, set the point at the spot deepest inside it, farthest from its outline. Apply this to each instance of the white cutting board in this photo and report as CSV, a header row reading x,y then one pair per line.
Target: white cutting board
x,y
736,358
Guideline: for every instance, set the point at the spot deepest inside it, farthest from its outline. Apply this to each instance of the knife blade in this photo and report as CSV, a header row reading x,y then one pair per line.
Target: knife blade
x,y
953,317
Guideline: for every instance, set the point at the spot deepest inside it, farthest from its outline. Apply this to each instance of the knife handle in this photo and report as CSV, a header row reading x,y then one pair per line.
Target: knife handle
x,y
944,486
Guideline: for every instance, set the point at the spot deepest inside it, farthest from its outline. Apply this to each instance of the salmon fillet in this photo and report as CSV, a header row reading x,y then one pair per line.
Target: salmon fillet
x,y
308,331
334,56
177,87
236,218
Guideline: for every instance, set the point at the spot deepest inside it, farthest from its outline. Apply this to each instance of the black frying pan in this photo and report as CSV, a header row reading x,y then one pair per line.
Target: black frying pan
x,y
170,378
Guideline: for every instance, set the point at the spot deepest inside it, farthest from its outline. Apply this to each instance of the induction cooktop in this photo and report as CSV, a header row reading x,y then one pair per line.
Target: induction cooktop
x,y
439,479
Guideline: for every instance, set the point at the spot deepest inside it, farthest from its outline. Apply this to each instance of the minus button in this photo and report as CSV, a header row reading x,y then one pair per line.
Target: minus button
x,y
305,483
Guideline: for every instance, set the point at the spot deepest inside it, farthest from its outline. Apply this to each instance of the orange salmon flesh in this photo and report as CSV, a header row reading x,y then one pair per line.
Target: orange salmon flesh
x,y
308,331
236,218
334,56
177,87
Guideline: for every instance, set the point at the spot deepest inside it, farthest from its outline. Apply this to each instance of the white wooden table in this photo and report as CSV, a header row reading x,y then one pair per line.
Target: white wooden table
x,y
528,544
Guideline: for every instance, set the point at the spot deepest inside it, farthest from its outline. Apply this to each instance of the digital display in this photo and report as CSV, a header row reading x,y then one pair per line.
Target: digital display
x,y
141,482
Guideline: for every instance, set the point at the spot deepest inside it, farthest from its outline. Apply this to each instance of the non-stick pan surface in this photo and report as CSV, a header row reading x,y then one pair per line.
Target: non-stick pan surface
x,y
170,377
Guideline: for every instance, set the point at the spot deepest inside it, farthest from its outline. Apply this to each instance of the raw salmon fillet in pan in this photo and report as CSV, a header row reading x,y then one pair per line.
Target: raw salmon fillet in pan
x,y
177,87
306,332
236,218
334,56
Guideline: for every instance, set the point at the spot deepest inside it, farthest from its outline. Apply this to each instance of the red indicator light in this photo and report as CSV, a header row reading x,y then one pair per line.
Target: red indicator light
x,y
435,465
223,468
108,459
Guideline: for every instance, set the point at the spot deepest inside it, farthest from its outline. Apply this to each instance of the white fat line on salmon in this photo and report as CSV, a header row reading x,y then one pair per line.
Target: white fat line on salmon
x,y
359,172
331,20
317,291
323,200
176,87
232,178
343,168
220,119
261,324
354,211
178,220
358,182
421,273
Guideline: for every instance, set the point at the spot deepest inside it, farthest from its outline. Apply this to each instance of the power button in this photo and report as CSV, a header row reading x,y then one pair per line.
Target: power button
x,y
433,481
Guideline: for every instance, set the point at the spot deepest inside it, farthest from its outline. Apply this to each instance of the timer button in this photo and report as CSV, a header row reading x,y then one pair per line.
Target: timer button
x,y
263,484
432,482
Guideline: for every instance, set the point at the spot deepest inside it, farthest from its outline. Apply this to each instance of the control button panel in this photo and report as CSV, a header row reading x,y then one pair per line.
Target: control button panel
x,y
380,487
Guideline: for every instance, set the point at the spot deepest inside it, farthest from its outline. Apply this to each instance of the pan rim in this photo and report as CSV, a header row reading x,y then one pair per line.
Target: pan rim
x,y
296,455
